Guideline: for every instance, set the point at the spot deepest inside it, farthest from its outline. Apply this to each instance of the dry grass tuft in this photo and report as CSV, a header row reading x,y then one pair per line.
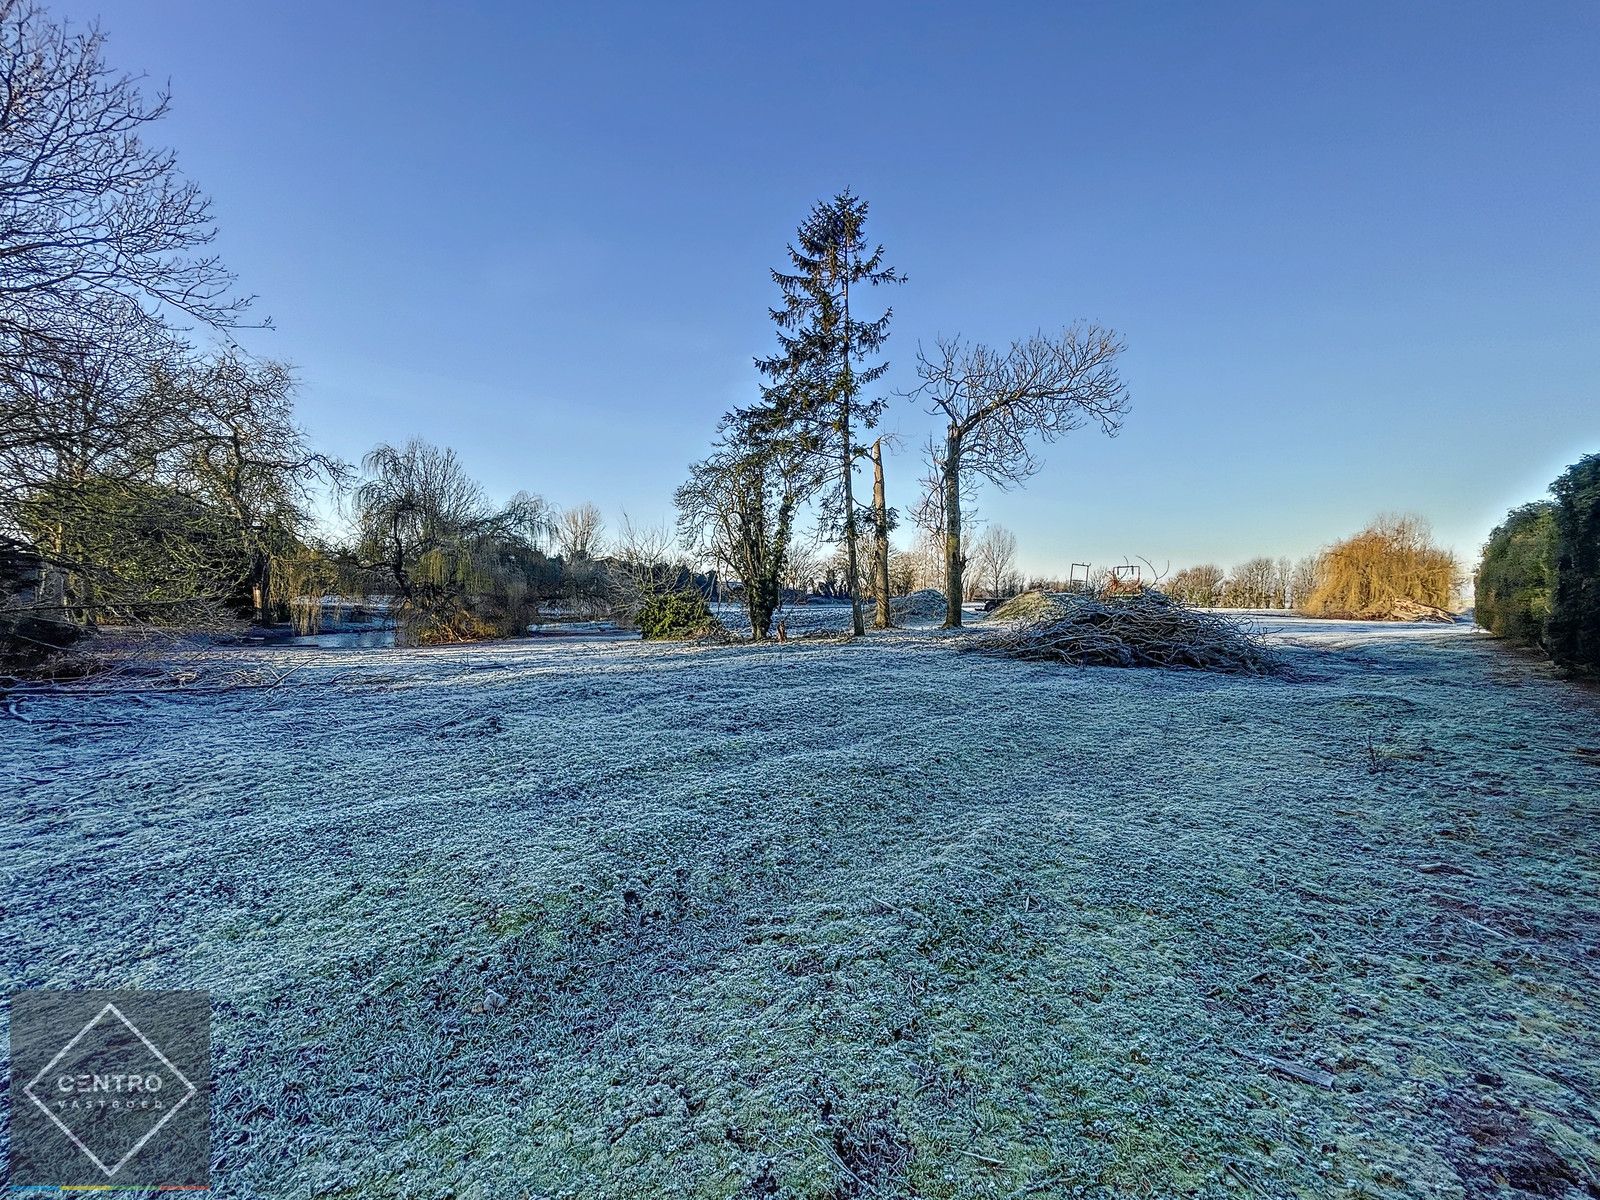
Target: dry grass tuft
x,y
1028,605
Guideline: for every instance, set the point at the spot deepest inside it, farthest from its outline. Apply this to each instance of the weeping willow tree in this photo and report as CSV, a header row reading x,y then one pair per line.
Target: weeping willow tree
x,y
459,568
1393,559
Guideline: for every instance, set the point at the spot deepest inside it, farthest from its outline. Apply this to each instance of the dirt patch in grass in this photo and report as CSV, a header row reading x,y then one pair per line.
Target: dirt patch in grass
x,y
1496,1148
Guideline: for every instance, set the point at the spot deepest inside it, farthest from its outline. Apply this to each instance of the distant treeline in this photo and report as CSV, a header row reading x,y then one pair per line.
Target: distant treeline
x,y
1392,561
1539,582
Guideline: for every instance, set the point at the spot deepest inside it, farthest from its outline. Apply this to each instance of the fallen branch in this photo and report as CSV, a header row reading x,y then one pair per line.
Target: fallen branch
x,y
177,683
983,1158
1311,1075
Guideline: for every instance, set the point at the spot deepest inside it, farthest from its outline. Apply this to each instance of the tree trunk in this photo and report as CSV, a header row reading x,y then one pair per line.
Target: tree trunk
x,y
763,594
858,623
52,589
261,586
953,559
759,609
880,545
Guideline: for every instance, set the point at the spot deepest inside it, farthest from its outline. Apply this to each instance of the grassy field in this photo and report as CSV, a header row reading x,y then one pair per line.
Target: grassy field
x,y
847,920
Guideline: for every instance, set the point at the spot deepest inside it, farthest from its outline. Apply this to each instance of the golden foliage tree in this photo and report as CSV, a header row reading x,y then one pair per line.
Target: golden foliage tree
x,y
1393,559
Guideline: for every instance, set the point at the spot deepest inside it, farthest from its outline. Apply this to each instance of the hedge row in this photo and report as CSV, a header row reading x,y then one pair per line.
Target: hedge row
x,y
1539,582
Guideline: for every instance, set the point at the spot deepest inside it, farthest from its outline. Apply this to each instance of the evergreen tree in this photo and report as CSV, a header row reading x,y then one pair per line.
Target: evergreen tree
x,y
1574,629
826,355
1516,579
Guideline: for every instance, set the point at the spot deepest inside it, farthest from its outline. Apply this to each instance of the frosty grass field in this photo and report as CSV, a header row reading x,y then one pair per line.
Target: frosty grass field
x,y
848,920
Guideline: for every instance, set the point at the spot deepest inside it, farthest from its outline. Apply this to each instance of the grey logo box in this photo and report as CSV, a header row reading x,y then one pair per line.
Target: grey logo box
x,y
110,1088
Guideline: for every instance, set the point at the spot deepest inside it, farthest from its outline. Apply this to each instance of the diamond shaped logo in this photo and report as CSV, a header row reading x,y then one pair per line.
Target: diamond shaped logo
x,y
110,1088
135,1087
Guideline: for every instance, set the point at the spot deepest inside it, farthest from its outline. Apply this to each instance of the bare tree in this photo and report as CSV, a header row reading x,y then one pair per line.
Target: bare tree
x,y
83,402
241,452
1198,587
645,560
1282,582
1253,584
928,515
89,211
805,564
904,568
995,557
998,403
579,530
96,438
1303,578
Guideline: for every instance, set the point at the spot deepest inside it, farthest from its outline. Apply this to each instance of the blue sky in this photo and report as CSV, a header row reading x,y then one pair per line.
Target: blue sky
x,y
1353,248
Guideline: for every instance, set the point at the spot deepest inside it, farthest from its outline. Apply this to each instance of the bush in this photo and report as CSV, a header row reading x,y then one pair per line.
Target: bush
x,y
447,627
1573,633
1516,580
670,615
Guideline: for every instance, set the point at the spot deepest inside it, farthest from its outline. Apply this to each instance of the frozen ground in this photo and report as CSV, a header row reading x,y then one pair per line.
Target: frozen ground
x,y
847,920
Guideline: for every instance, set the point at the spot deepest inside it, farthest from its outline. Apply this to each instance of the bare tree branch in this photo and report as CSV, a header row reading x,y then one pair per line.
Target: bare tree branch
x,y
999,404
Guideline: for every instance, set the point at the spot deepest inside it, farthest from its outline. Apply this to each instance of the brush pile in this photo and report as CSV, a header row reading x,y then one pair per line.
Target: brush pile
x,y
926,605
1028,606
1140,629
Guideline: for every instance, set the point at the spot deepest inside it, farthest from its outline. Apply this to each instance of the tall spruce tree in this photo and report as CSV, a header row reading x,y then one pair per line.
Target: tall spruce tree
x,y
826,356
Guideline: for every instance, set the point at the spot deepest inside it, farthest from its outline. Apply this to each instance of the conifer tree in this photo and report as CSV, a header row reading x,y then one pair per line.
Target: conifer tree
x,y
826,356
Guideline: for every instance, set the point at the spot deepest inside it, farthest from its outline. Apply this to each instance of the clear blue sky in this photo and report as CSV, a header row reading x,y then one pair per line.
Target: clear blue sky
x,y
1354,248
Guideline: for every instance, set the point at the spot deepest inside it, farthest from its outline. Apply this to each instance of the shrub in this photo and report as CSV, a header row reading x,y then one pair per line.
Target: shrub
x,y
1516,580
447,627
1573,636
669,615
1393,559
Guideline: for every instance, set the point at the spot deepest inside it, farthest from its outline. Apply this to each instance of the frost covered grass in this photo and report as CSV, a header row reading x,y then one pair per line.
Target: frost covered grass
x,y
863,919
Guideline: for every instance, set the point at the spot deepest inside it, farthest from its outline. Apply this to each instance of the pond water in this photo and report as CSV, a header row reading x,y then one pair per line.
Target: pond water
x,y
383,638
352,639
363,638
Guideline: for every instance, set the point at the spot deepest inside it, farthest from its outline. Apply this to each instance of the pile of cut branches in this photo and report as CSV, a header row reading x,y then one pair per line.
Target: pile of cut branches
x,y
926,605
1142,629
